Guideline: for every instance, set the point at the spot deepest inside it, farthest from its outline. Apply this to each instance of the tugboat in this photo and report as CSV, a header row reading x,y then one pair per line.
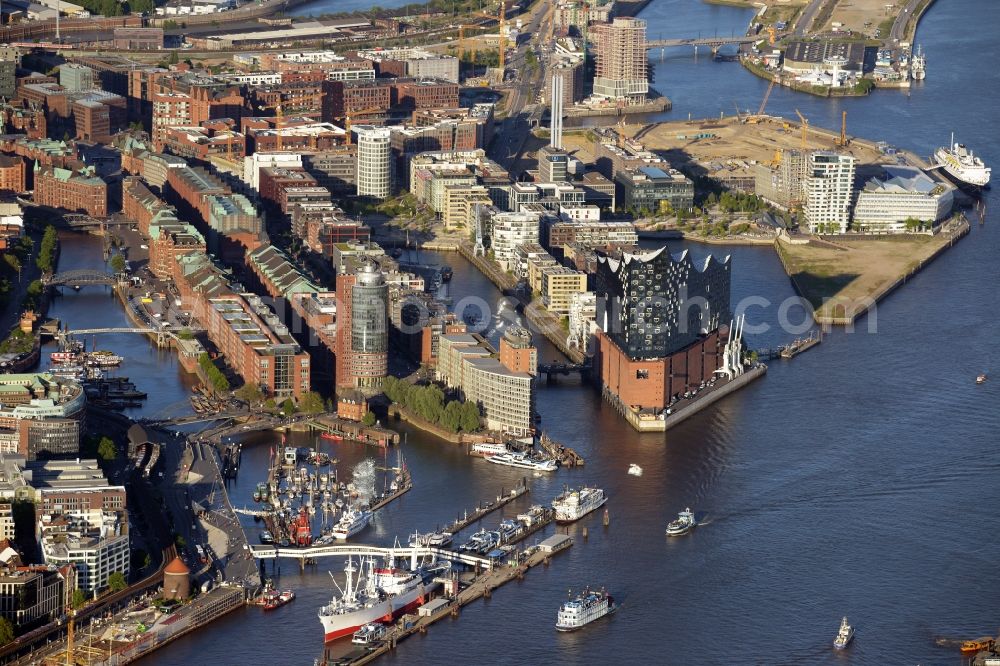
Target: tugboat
x,y
844,636
584,609
685,523
277,600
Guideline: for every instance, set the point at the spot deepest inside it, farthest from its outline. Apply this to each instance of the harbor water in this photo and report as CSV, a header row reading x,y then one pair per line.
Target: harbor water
x,y
858,479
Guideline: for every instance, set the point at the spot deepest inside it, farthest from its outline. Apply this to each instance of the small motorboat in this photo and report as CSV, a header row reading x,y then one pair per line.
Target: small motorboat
x,y
634,470
981,379
972,647
369,634
844,636
685,523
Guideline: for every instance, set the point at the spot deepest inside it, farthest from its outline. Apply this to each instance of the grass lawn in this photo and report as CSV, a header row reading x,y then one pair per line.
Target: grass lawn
x,y
843,278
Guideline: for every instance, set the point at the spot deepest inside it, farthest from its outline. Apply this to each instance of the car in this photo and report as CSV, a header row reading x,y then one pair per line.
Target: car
x,y
143,247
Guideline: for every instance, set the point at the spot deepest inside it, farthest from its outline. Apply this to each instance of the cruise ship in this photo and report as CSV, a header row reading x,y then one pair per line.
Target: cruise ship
x,y
573,505
524,461
379,594
962,165
352,522
584,609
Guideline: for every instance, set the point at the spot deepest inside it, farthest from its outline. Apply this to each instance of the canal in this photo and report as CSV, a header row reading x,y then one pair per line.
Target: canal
x,y
858,480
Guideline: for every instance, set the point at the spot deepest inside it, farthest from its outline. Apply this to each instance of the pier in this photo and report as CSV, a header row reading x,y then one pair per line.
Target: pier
x,y
478,587
503,499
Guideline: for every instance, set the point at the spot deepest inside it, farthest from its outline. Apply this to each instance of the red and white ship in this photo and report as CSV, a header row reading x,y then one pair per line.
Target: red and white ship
x,y
64,356
383,594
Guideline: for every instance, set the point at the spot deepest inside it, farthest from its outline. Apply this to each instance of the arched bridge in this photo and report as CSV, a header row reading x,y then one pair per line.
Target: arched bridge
x,y
79,278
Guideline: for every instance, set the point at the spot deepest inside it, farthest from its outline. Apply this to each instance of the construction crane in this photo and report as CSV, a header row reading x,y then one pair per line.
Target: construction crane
x,y
805,128
461,43
842,141
763,102
70,660
620,129
503,40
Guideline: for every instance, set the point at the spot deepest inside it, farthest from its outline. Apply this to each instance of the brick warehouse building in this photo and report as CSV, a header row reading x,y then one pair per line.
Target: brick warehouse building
x,y
77,191
660,332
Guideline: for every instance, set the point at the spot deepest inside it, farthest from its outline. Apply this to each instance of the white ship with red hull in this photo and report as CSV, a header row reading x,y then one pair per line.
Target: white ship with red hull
x,y
383,594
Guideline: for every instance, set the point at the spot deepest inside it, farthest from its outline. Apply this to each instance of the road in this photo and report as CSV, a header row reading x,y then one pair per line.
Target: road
x,y
897,33
807,16
509,145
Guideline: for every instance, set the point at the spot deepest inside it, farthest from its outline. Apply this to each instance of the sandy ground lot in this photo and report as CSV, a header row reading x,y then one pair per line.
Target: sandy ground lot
x,y
845,276
731,143
853,14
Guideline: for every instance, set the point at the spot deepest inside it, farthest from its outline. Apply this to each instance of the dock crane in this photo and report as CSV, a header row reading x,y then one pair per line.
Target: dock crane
x,y
805,128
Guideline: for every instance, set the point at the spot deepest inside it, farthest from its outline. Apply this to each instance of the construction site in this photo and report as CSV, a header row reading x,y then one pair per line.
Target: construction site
x,y
728,148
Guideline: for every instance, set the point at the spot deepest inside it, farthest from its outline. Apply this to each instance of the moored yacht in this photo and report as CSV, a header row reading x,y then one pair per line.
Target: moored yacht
x,y
524,461
352,522
573,505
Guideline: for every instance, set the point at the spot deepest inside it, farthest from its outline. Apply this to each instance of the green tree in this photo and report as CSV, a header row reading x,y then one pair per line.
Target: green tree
x,y
140,559
79,598
451,417
288,407
117,582
311,403
6,631
250,393
106,449
368,419
470,416
180,542
13,262
174,58
118,263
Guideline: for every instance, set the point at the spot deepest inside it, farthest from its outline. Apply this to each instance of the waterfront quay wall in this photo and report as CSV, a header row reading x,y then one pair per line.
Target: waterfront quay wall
x,y
202,611
704,400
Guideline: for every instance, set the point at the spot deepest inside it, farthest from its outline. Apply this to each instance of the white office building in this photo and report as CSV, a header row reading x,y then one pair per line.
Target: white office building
x,y
374,161
509,231
901,194
829,188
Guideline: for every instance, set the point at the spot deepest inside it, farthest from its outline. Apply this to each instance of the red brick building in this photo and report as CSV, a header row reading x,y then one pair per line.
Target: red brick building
x,y
424,94
12,175
93,121
78,191
257,346
362,101
650,383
